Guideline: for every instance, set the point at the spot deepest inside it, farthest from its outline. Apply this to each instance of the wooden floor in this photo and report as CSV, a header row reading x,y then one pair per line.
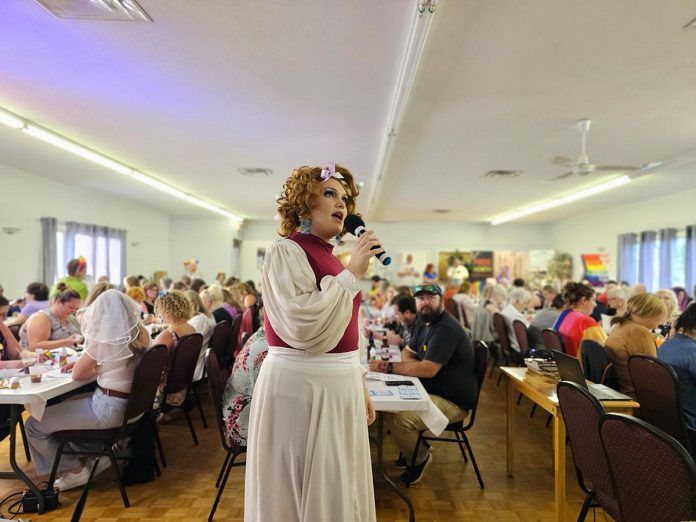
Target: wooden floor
x,y
449,491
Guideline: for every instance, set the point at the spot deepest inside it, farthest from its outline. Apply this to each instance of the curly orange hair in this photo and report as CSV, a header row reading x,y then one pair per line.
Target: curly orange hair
x,y
301,192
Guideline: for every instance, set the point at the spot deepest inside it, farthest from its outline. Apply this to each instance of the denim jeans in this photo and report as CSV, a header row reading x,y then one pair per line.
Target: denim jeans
x,y
95,411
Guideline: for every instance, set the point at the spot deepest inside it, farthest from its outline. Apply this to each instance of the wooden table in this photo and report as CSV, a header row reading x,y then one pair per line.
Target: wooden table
x,y
542,391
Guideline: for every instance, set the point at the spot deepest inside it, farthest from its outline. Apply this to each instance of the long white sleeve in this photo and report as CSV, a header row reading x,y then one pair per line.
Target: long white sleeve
x,y
303,316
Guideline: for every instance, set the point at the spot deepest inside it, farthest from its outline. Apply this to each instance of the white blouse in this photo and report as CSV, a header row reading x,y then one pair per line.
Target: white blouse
x,y
305,317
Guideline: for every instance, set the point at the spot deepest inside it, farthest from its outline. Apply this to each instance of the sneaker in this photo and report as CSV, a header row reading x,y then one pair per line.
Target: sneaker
x,y
414,474
104,463
72,480
401,462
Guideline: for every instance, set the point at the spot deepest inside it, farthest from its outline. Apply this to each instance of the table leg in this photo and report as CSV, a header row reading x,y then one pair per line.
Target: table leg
x,y
510,428
559,452
381,471
18,473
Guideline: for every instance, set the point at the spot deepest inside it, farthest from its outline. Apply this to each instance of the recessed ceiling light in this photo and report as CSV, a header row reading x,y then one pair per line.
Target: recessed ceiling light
x,y
498,174
253,171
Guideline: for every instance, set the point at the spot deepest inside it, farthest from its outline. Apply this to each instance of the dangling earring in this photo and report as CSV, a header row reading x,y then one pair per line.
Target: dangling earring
x,y
305,225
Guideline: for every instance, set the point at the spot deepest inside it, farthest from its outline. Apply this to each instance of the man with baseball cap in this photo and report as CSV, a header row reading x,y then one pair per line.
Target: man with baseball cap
x,y
441,355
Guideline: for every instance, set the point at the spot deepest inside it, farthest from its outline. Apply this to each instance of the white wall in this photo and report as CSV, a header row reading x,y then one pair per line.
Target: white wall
x,y
429,238
209,239
25,198
597,232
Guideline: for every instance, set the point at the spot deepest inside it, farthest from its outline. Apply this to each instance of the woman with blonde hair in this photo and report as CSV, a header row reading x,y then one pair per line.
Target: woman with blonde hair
x,y
310,386
632,334
213,298
204,323
114,338
669,299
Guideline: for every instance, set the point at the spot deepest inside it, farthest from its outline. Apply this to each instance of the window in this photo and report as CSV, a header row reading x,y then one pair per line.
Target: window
x,y
679,260
102,247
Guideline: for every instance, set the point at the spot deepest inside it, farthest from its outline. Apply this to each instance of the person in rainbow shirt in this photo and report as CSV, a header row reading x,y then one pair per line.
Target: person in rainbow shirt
x,y
575,324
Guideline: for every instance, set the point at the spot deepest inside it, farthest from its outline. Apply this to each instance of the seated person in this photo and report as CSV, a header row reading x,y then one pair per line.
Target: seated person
x,y
680,353
236,400
55,326
203,323
632,335
465,300
407,321
173,309
151,293
138,295
494,299
442,356
230,304
213,299
518,302
8,341
545,318
574,323
114,339
77,270
36,298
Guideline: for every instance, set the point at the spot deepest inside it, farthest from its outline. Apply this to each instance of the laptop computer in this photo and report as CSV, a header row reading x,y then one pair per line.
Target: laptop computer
x,y
569,370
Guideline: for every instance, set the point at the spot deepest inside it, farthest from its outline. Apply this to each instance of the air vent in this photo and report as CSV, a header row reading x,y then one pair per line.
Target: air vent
x,y
97,10
442,211
255,172
498,174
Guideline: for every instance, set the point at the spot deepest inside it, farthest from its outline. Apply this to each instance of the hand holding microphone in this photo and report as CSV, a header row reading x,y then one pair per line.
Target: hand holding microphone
x,y
366,247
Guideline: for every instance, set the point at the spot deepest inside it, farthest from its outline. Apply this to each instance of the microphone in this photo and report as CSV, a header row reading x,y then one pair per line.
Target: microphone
x,y
356,226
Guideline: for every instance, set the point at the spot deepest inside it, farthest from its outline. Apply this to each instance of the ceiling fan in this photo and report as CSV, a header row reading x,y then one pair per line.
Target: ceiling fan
x,y
583,167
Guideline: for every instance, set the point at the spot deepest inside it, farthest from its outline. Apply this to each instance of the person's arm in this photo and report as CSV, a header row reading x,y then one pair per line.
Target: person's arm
x,y
38,332
425,369
17,320
249,300
166,338
440,348
85,368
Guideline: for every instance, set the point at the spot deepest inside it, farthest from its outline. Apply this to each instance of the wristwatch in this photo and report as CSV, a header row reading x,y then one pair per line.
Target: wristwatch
x,y
390,367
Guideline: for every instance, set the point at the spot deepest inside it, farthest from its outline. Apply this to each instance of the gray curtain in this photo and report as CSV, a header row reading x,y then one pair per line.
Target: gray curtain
x,y
646,264
626,252
49,227
668,246
690,278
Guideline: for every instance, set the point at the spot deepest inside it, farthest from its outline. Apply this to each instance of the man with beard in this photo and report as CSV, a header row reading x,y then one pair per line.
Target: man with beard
x,y
407,322
441,355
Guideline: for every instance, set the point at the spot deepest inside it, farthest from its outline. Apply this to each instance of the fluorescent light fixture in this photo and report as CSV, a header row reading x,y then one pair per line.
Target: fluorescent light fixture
x,y
78,150
420,26
45,135
9,119
563,200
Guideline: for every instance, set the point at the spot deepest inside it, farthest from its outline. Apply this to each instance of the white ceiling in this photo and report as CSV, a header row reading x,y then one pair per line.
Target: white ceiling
x,y
214,86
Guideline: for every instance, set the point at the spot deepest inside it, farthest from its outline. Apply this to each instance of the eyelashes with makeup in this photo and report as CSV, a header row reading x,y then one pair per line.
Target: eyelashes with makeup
x,y
332,193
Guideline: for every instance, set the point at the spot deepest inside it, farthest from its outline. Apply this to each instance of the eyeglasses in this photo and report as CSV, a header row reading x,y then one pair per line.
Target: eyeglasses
x,y
430,289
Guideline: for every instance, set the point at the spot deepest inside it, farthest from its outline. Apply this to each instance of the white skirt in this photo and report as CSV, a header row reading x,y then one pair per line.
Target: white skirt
x,y
308,454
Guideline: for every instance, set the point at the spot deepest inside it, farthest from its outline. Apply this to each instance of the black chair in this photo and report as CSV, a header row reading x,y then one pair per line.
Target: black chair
x,y
597,365
654,477
142,395
217,378
220,343
234,337
552,340
459,428
182,364
581,414
657,391
520,330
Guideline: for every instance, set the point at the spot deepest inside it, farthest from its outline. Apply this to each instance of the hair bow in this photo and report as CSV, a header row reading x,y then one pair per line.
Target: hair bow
x,y
330,172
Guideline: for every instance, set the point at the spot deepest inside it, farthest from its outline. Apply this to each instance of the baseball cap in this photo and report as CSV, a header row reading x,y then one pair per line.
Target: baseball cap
x,y
427,289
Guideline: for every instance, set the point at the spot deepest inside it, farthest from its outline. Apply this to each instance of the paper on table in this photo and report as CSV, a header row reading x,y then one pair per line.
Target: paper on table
x,y
376,376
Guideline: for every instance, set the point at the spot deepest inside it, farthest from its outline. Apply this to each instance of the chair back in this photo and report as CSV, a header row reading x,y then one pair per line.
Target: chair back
x,y
501,331
480,364
482,325
234,338
657,391
581,414
15,328
596,364
521,334
220,340
217,379
182,362
452,307
145,381
653,475
552,340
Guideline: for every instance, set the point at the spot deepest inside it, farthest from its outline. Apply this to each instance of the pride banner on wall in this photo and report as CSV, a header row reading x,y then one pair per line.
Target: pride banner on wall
x,y
595,267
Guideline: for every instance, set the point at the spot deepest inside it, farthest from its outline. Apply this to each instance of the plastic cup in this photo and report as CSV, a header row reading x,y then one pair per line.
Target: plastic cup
x,y
35,374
